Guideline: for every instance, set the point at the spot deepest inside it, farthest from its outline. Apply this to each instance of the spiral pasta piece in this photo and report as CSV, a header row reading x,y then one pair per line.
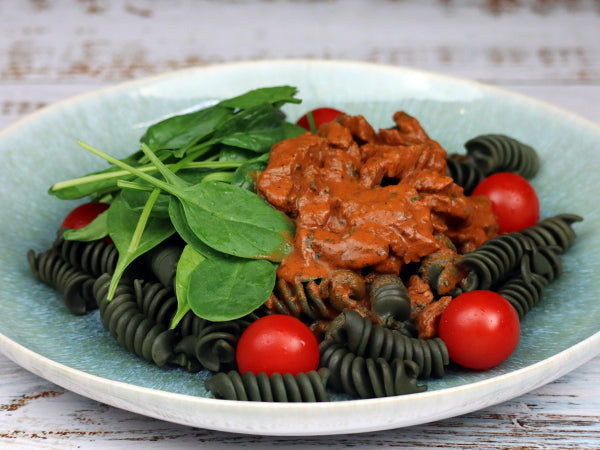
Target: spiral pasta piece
x,y
74,285
162,262
494,260
93,258
389,299
525,289
213,347
300,299
556,230
364,338
493,153
368,377
132,329
317,299
463,172
303,387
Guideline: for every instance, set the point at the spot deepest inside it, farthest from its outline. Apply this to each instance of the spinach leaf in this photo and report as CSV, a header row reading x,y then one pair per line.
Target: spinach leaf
x,y
188,261
136,200
257,128
236,221
245,175
274,95
134,233
228,288
179,131
179,221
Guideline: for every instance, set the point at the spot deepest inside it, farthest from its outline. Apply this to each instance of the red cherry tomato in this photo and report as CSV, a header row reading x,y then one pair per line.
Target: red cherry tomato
x,y
514,201
480,328
277,344
320,116
84,214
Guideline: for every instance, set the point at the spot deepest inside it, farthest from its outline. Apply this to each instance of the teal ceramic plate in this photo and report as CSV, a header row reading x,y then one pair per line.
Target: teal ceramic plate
x,y
77,353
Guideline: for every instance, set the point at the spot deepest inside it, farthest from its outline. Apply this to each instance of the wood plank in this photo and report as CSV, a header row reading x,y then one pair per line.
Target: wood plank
x,y
110,40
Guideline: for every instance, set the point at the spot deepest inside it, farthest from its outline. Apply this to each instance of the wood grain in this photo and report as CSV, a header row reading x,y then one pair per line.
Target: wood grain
x,y
53,49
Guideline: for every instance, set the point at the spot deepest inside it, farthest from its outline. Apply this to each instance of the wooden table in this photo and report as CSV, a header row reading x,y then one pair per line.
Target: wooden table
x,y
53,49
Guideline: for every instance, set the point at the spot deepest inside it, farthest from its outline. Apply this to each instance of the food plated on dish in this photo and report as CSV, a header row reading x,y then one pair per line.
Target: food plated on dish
x,y
369,241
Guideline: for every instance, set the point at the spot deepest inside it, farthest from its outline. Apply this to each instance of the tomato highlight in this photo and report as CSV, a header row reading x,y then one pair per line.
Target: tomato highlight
x,y
480,328
277,344
514,201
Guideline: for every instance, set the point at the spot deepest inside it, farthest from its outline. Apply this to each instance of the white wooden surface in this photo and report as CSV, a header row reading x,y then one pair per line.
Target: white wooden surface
x,y
53,49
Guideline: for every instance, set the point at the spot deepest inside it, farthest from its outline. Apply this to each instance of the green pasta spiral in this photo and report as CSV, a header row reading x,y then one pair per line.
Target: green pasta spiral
x,y
495,260
493,153
93,258
463,172
364,338
132,329
303,387
73,284
368,377
554,231
317,299
390,302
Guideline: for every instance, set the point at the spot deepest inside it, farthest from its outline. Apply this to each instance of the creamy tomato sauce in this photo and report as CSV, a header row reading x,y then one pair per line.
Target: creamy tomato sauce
x,y
369,201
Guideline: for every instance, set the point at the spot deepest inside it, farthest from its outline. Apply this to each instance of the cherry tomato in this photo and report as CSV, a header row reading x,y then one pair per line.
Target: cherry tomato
x,y
84,214
277,344
480,328
514,201
320,116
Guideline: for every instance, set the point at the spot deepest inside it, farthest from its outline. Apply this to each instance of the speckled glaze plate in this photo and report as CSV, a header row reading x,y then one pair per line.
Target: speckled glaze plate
x,y
77,353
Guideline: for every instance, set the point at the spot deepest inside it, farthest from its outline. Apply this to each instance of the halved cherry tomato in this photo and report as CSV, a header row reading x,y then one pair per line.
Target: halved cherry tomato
x,y
84,214
277,344
514,201
320,116
480,328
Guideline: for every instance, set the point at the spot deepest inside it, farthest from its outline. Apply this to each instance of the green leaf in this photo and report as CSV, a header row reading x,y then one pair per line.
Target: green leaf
x,y
136,200
188,261
134,233
235,221
229,288
291,130
275,95
96,229
179,221
181,130
257,129
246,174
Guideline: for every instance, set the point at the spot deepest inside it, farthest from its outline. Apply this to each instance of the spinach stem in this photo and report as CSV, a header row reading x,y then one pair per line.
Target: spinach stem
x,y
144,176
149,168
133,244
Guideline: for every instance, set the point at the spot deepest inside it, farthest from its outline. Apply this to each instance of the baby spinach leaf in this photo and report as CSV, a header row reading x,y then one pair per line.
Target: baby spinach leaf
x,y
235,221
96,229
178,131
228,288
257,128
188,261
291,130
136,200
179,221
134,233
275,95
245,175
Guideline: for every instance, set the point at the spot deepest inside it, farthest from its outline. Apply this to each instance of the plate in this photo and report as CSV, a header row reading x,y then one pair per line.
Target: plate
x,y
77,353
